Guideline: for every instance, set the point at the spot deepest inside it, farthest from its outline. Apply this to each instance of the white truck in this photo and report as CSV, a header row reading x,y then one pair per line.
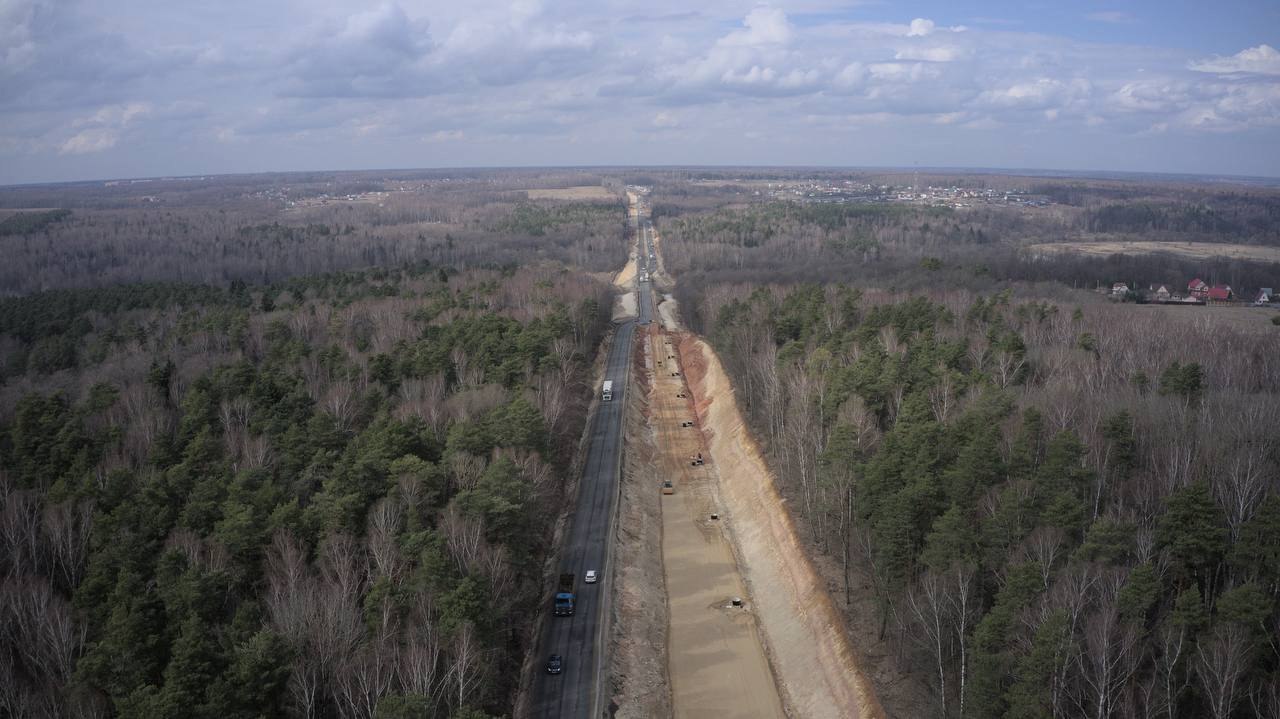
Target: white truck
x,y
607,393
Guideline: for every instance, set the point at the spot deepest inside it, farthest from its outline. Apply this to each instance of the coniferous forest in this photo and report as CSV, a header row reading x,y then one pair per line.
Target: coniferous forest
x,y
330,495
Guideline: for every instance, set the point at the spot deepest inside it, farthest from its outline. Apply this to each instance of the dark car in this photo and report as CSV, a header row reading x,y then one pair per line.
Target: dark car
x,y
554,664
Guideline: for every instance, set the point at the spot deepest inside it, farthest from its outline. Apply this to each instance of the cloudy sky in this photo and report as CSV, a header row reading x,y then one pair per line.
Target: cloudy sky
x,y
128,88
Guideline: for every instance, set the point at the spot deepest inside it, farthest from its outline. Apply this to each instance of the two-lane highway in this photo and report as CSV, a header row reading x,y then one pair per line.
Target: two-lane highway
x,y
580,639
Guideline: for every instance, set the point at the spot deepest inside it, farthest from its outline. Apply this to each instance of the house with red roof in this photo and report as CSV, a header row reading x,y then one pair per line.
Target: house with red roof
x,y
1198,288
1221,293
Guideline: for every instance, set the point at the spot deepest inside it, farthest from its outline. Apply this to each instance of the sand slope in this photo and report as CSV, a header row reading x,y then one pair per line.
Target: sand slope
x,y
716,660
814,663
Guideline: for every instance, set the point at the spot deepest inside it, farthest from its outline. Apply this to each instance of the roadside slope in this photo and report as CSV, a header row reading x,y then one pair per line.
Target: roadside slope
x,y
815,665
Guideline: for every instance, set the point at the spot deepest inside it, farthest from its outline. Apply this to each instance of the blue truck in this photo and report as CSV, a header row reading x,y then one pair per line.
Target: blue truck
x,y
564,597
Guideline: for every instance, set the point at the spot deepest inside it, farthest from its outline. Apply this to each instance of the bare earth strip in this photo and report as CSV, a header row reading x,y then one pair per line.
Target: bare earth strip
x,y
624,306
1198,250
638,643
626,277
582,192
716,661
808,644
669,311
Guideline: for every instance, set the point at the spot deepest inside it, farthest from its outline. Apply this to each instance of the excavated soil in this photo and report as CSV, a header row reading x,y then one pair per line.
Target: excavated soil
x,y
669,311
716,659
638,641
624,306
816,667
627,275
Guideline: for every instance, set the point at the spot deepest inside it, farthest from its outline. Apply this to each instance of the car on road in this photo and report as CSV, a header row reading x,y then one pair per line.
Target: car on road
x,y
591,577
555,664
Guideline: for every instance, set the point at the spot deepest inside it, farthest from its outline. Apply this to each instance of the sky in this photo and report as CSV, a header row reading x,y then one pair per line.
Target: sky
x,y
96,89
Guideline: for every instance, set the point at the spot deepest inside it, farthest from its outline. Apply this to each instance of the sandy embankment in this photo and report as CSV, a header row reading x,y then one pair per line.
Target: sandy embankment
x,y
716,660
627,275
669,311
813,662
660,275
624,306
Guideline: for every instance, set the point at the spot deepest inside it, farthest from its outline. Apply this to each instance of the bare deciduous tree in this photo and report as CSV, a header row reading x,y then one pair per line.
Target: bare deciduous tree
x,y
1221,661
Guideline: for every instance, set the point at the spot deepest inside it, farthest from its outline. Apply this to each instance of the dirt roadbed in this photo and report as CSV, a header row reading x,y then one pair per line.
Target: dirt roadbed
x,y
815,665
638,641
716,660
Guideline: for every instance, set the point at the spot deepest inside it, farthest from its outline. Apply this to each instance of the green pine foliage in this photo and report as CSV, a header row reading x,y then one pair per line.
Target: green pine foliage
x,y
930,460
275,498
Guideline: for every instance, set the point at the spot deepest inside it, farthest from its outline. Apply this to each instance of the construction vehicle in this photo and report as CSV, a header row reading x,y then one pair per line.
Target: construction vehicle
x,y
607,393
564,597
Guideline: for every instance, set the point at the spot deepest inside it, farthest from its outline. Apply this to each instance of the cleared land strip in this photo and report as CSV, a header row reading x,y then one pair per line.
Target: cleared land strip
x,y
1198,250
716,661
813,661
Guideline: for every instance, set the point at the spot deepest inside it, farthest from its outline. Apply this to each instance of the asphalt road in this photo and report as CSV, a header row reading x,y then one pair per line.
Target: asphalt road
x,y
579,639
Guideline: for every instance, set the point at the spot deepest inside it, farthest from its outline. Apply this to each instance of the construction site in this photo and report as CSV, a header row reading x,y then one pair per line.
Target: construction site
x,y
718,610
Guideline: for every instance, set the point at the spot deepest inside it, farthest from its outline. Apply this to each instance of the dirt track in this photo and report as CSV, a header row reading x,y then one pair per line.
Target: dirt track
x,y
638,646
717,664
816,668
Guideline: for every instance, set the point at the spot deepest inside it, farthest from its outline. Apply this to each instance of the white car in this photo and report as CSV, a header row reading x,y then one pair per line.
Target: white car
x,y
591,577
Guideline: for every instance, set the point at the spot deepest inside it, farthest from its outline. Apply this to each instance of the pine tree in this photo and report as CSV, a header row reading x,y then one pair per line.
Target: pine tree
x,y
1193,529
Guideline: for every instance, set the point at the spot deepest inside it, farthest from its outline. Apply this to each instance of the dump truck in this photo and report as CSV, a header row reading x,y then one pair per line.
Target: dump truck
x,y
564,597
606,394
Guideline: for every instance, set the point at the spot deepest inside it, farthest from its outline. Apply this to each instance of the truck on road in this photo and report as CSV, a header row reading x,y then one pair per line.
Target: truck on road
x,y
564,597
607,393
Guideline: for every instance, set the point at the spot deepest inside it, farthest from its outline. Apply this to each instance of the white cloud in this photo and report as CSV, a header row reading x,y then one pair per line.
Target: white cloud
x,y
1234,107
902,71
1039,94
1261,60
1151,96
920,27
89,141
665,119
851,76
762,26
117,115
943,53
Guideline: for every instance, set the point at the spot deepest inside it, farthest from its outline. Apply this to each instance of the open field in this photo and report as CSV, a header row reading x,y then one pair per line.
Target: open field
x,y
1255,319
1197,250
583,192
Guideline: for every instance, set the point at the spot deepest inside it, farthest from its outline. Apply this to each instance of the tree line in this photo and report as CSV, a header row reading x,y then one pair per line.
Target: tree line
x,y
267,230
